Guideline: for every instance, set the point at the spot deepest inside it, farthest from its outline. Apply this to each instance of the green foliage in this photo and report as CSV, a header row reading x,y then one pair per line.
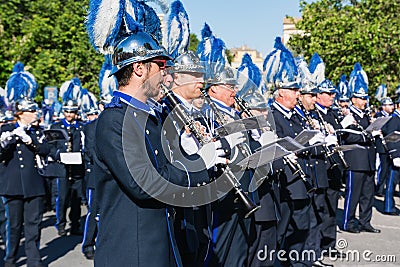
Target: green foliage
x,y
345,32
193,42
50,38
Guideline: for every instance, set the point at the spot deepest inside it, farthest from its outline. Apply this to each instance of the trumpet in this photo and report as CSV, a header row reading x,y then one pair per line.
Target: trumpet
x,y
249,206
326,129
293,165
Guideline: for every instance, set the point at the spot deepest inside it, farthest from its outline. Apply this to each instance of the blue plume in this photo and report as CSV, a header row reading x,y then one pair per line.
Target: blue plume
x,y
70,90
211,50
343,87
178,30
317,69
304,73
358,84
107,20
152,23
87,100
397,91
381,92
280,66
249,75
18,67
107,84
21,84
162,4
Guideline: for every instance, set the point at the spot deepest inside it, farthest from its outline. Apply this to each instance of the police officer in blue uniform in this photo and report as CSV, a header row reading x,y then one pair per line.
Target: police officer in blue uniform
x,y
360,175
70,184
136,228
384,157
21,186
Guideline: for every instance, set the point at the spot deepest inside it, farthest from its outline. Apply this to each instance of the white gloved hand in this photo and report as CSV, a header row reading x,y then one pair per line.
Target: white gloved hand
x,y
396,162
235,138
292,157
267,137
318,138
331,140
347,121
376,133
211,155
20,132
189,143
316,124
5,139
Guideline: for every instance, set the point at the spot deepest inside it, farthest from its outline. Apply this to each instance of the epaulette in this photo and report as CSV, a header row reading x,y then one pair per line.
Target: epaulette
x,y
115,103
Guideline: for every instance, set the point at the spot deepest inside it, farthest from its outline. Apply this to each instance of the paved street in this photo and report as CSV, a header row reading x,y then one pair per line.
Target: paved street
x,y
66,251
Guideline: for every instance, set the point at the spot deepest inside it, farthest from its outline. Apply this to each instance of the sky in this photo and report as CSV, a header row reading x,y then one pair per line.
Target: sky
x,y
254,23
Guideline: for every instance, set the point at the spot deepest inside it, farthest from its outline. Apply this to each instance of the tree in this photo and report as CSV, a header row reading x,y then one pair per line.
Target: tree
x,y
193,42
345,32
50,38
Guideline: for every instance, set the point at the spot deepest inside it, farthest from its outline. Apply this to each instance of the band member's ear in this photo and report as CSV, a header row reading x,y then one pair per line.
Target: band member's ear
x,y
138,68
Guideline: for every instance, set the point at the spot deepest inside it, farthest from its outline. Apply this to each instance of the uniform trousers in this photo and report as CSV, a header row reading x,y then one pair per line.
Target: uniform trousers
x,y
390,186
90,230
293,229
262,243
359,191
383,172
26,212
69,194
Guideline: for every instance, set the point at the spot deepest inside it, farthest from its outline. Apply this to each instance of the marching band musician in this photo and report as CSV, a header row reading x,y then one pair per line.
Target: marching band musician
x,y
384,156
294,226
21,186
318,173
394,160
329,120
360,175
70,184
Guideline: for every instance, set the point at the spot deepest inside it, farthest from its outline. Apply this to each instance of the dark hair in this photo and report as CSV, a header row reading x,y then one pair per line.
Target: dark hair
x,y
124,75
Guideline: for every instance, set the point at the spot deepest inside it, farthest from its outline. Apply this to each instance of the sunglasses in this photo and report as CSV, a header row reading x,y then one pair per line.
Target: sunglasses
x,y
161,63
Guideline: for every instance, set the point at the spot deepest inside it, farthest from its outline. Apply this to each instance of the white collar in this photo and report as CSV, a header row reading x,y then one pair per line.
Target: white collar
x,y
185,103
223,107
321,108
286,112
357,111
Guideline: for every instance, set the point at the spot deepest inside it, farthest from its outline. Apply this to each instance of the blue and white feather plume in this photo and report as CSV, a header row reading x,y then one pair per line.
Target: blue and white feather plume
x,y
358,83
248,76
178,36
71,90
107,84
21,84
381,92
317,68
280,67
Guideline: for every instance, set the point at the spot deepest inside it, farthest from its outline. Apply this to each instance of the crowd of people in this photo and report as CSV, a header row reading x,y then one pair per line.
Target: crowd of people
x,y
185,161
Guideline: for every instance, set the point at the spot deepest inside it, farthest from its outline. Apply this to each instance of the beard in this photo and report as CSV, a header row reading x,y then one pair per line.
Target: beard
x,y
151,86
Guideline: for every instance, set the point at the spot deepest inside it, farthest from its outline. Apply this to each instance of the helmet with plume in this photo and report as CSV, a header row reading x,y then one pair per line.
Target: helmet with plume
x,y
358,84
70,92
280,68
307,84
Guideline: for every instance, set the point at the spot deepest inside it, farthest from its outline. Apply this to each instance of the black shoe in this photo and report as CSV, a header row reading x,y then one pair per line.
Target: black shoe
x,y
319,263
89,253
392,213
352,229
62,232
370,229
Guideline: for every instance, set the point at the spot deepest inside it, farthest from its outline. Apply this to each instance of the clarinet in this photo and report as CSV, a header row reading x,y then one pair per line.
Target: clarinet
x,y
293,165
326,128
328,152
249,206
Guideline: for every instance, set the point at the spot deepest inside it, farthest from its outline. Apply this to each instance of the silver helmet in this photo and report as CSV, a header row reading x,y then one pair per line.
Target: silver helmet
x,y
188,62
226,76
71,105
135,47
26,104
309,88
